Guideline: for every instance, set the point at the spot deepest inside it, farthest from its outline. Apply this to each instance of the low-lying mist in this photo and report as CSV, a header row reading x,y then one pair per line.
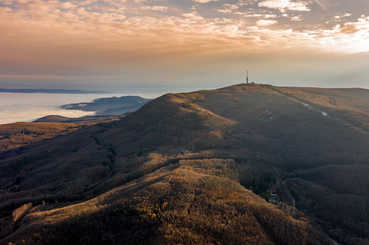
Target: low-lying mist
x,y
23,107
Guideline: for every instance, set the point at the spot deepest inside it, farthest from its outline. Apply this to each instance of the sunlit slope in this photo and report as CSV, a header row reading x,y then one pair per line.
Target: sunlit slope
x,y
16,135
184,202
186,158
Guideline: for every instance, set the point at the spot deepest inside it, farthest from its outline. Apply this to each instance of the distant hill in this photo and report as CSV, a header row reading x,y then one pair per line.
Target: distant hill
x,y
246,164
110,106
49,91
53,118
85,119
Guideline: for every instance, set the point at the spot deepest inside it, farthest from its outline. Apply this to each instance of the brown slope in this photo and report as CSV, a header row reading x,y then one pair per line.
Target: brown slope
x,y
16,135
271,136
178,204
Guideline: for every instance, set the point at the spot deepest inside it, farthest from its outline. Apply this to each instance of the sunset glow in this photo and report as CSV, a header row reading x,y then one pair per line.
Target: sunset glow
x,y
70,42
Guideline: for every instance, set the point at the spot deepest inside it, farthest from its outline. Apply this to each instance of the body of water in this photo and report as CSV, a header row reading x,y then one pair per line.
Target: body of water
x,y
26,107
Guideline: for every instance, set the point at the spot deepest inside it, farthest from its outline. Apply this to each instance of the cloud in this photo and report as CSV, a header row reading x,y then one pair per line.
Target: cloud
x,y
204,1
156,8
228,8
322,4
266,22
58,38
283,5
296,18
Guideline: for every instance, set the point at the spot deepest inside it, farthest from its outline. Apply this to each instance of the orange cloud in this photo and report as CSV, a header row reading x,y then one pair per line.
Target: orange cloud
x,y
78,35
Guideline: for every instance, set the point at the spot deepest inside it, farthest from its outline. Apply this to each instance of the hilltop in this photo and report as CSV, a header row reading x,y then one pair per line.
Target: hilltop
x,y
246,164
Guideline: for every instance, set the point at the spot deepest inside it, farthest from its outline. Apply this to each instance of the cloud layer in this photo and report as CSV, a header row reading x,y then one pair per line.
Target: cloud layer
x,y
69,39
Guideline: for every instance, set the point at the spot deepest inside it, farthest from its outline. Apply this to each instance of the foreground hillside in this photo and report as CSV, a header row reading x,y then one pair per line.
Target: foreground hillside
x,y
21,134
16,135
199,168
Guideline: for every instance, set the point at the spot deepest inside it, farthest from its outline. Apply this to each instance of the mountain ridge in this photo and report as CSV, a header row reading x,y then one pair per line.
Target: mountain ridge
x,y
167,165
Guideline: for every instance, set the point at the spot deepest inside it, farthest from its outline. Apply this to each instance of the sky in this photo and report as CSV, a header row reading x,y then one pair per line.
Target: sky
x,y
174,45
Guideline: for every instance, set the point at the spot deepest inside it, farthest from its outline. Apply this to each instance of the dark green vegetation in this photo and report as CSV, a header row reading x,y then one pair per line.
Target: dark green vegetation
x,y
110,106
196,168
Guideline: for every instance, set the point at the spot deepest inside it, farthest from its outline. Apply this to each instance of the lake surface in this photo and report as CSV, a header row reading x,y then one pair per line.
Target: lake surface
x,y
26,107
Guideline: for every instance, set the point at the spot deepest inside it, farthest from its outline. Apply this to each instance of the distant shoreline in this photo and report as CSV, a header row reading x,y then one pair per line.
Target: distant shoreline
x,y
51,91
